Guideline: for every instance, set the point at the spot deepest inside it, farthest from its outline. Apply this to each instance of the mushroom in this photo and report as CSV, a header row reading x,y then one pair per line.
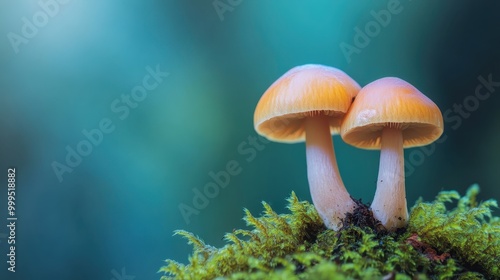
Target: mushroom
x,y
308,103
390,114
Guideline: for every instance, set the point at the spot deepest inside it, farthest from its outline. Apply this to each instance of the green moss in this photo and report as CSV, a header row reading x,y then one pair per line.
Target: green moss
x,y
461,243
469,232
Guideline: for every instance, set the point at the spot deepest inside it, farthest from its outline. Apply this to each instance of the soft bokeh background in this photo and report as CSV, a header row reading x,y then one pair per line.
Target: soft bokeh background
x,y
119,207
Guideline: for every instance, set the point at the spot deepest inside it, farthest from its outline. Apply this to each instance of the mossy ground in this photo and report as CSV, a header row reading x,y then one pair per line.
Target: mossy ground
x,y
439,243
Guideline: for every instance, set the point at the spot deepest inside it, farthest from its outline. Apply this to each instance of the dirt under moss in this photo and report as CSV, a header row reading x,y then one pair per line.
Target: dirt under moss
x,y
462,242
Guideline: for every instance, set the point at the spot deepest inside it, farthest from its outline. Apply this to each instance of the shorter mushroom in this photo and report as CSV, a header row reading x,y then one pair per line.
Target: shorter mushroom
x,y
390,114
308,103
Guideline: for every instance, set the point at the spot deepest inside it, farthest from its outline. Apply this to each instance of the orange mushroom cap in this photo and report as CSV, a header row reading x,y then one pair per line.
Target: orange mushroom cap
x,y
395,103
303,91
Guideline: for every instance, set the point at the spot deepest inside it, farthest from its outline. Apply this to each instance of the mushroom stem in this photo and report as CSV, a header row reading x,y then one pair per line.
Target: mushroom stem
x,y
328,192
389,203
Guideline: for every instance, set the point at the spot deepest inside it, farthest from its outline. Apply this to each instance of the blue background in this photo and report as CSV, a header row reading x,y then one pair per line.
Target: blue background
x,y
118,208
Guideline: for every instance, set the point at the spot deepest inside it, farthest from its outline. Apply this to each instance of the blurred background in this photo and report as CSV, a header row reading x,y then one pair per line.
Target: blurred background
x,y
107,209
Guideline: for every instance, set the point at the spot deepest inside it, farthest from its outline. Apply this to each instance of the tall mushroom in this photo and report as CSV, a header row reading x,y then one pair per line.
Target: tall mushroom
x,y
390,114
308,103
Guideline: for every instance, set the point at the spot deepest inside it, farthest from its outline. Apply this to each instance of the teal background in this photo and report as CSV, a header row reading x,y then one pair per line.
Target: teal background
x,y
120,205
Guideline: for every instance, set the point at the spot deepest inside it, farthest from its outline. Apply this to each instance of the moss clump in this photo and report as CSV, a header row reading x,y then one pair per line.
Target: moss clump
x,y
469,232
462,243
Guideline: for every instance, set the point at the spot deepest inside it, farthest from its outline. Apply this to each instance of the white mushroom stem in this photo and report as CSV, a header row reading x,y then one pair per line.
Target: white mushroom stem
x,y
389,203
328,192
